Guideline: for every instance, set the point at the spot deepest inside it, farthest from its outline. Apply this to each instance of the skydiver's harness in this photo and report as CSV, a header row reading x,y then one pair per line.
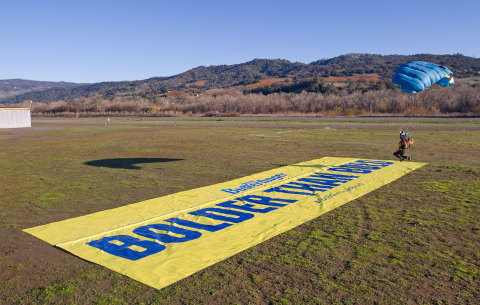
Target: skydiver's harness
x,y
403,144
404,141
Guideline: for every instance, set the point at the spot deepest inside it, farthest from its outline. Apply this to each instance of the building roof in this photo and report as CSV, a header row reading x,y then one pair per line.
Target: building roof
x,y
14,109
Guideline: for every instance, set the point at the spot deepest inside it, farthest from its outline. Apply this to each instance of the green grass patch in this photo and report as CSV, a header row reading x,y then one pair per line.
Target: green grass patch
x,y
49,197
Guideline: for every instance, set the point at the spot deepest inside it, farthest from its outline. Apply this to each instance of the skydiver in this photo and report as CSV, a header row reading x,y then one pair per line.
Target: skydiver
x,y
403,145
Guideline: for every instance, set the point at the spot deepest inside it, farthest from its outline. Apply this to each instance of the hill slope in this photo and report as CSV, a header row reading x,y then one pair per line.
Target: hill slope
x,y
225,76
12,87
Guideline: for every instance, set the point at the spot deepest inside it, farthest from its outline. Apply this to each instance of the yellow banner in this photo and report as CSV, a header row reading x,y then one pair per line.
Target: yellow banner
x,y
162,240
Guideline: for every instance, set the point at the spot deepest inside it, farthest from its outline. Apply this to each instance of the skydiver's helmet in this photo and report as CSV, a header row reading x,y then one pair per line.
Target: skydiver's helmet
x,y
403,134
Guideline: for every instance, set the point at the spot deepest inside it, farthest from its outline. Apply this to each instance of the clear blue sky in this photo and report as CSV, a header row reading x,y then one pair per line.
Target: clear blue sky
x,y
112,40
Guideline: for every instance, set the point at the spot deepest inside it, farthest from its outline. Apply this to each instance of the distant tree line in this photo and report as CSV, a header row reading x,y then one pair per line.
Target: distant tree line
x,y
459,99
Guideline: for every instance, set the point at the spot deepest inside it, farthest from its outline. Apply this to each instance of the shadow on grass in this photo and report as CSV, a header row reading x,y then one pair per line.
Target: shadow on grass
x,y
127,163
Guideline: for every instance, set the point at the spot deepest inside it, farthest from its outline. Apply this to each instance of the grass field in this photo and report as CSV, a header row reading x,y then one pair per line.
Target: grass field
x,y
416,240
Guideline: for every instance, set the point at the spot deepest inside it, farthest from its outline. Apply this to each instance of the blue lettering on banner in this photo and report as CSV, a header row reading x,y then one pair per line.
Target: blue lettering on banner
x,y
263,200
121,245
245,207
148,231
275,202
229,212
280,189
215,213
339,192
253,184
106,244
196,225
318,182
361,166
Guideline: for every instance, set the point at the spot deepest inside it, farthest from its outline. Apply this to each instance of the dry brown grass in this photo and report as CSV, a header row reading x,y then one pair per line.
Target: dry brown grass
x,y
266,82
174,93
199,83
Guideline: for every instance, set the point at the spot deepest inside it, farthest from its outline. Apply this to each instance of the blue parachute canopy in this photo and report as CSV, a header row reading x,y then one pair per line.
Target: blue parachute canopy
x,y
416,76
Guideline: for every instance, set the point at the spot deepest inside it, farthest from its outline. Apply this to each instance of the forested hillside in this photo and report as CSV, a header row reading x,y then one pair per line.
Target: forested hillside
x,y
287,76
12,87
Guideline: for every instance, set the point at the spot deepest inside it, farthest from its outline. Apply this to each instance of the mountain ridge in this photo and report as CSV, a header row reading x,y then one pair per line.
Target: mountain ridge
x,y
16,86
203,78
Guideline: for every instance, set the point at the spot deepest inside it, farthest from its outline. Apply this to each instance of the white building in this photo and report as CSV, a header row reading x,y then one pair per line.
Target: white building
x,y
15,117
